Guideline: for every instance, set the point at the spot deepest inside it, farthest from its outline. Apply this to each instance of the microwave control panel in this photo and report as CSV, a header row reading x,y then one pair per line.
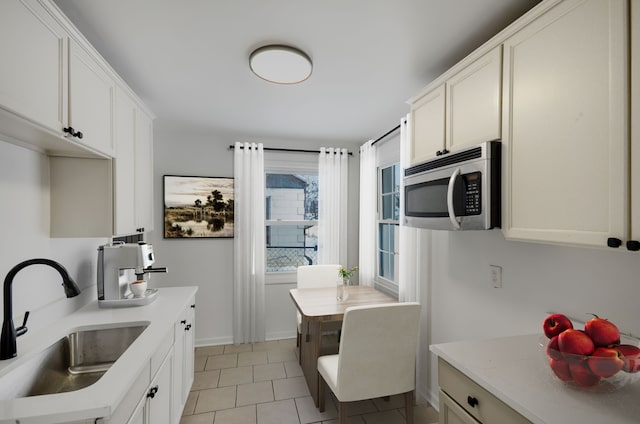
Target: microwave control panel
x,y
472,184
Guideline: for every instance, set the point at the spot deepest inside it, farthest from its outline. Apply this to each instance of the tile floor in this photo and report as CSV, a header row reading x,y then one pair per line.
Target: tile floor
x,y
262,383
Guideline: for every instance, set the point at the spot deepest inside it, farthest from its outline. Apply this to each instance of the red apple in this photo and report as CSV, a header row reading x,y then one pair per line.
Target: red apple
x,y
575,342
630,356
602,332
561,368
605,361
582,375
553,351
555,324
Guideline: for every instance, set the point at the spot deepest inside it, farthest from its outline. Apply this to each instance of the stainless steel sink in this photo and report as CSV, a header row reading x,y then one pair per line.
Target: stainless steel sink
x,y
72,363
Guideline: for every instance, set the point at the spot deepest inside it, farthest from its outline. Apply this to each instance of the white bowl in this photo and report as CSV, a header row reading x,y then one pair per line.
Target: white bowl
x,y
138,288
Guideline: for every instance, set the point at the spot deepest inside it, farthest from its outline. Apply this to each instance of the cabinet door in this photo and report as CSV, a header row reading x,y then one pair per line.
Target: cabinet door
x,y
635,121
452,413
178,401
34,66
159,404
427,125
91,101
124,165
565,173
473,102
144,172
189,352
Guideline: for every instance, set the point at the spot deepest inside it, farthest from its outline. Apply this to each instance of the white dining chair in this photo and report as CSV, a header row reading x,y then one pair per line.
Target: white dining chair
x,y
314,276
377,356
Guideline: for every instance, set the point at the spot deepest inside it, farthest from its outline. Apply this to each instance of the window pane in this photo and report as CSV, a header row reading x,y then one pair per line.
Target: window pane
x,y
387,180
396,171
396,206
384,237
292,196
289,246
387,206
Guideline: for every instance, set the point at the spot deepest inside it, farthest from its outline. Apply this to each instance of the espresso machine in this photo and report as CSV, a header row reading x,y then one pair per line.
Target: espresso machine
x,y
120,264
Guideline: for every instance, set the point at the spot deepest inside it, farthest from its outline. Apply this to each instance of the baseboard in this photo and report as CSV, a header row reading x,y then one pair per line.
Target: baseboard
x,y
214,341
280,335
434,400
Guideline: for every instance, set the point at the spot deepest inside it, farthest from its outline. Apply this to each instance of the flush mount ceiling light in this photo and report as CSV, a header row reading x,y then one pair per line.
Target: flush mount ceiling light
x,y
280,64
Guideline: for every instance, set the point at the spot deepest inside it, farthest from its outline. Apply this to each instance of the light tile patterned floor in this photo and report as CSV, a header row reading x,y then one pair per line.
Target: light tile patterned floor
x,y
262,383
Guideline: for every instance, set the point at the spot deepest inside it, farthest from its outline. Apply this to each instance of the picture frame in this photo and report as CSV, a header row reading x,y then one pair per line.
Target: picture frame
x,y
198,207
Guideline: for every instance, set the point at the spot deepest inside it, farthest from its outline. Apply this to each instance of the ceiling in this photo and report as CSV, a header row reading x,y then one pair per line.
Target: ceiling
x,y
188,59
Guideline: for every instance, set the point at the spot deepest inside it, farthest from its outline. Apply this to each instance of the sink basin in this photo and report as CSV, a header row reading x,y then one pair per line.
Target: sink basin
x,y
72,363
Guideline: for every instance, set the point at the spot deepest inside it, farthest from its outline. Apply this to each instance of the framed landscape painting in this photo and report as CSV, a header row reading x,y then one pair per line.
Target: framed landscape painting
x,y
198,207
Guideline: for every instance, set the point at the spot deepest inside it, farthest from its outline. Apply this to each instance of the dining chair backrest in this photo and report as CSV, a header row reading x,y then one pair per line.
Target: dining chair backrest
x,y
378,351
314,276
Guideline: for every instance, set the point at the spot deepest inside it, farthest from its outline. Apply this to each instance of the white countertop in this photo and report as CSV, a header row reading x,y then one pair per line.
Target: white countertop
x,y
514,370
103,397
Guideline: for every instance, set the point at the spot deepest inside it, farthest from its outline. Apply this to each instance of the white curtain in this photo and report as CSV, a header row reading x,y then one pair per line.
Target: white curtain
x,y
409,263
333,179
368,214
249,244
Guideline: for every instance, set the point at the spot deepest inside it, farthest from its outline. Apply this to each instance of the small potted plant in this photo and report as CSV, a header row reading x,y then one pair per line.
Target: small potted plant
x,y
345,274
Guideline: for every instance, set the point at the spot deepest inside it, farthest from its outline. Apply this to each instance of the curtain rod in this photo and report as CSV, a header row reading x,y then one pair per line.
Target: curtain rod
x,y
386,134
286,150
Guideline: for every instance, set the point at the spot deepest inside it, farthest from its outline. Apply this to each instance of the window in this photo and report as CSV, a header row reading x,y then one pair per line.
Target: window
x,y
388,225
291,220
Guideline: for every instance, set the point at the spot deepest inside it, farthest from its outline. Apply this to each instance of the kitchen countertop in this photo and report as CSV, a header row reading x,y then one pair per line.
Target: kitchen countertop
x,y
514,370
103,397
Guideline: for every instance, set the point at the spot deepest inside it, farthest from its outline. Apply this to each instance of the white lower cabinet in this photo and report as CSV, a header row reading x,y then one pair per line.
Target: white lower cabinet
x,y
155,405
463,401
184,360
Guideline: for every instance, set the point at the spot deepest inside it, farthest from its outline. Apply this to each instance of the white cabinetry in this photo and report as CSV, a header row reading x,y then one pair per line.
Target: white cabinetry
x,y
91,99
463,401
184,359
634,244
133,168
565,140
33,75
144,172
57,90
459,109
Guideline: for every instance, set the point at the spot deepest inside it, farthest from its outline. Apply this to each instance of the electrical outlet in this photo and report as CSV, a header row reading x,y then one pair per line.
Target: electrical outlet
x,y
495,276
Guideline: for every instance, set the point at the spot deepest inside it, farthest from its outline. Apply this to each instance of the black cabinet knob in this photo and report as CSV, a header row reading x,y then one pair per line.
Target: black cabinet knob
x,y
438,153
473,402
187,328
140,230
72,132
614,242
633,245
152,392
183,322
193,306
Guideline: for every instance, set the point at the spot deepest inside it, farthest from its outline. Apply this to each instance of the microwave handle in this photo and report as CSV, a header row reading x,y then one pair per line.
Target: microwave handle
x,y
452,215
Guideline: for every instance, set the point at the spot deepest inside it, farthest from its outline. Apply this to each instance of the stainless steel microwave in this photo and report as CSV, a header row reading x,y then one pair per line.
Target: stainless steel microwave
x,y
456,191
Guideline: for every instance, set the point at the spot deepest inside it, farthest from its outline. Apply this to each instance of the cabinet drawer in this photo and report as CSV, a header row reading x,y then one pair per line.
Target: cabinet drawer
x,y
463,390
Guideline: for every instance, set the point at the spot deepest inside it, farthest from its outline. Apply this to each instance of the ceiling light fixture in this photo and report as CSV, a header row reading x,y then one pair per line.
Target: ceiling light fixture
x,y
280,64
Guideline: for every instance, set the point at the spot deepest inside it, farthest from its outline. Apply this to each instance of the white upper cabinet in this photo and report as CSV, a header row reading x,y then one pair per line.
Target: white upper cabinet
x,y
144,172
427,125
56,93
91,101
565,139
33,74
473,102
124,166
459,109
633,243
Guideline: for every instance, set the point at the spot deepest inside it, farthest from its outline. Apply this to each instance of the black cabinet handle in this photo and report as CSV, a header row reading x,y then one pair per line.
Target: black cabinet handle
x,y
633,245
193,306
183,322
72,132
614,242
473,402
187,328
152,392
438,153
445,151
140,230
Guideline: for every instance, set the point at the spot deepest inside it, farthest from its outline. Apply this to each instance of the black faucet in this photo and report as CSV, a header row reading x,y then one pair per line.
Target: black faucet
x,y
9,333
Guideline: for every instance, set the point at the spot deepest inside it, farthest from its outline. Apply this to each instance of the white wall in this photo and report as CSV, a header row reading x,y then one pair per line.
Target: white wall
x,y
537,278
208,263
25,194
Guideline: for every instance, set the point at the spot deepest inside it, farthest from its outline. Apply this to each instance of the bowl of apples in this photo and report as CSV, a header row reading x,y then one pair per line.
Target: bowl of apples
x,y
595,358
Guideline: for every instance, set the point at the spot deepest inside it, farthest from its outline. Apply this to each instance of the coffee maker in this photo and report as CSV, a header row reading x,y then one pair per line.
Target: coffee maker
x,y
120,264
